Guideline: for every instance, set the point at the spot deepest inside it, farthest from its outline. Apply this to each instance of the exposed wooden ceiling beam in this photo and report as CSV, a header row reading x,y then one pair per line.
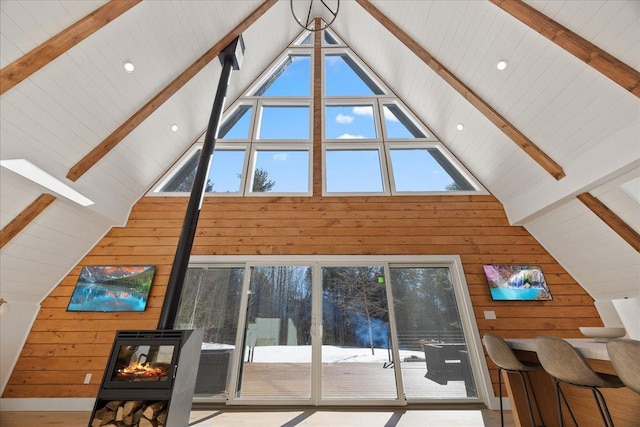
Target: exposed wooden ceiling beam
x,y
511,131
150,107
623,229
584,50
42,55
23,219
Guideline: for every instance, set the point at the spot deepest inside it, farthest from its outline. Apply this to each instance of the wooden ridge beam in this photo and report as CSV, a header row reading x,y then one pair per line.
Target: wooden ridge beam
x,y
150,107
23,219
42,55
582,49
503,124
616,223
317,110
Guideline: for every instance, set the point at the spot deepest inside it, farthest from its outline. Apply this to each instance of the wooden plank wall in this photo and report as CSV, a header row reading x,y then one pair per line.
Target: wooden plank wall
x,y
62,347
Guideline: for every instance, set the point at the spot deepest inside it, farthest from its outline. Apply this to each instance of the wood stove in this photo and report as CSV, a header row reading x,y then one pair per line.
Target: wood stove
x,y
149,379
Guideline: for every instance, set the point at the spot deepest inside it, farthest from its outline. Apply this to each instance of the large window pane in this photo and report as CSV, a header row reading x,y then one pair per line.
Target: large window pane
x,y
237,125
281,171
182,179
353,171
284,122
398,125
225,171
349,122
292,78
425,169
355,337
277,341
430,334
343,77
210,301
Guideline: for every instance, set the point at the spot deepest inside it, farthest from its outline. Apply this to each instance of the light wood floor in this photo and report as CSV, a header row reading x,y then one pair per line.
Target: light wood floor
x,y
289,418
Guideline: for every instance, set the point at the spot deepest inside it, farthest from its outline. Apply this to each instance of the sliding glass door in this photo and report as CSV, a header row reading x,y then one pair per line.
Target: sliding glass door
x,y
276,361
434,357
356,344
331,333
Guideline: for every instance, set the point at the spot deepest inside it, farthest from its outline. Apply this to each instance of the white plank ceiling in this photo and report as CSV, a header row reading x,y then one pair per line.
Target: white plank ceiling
x,y
583,120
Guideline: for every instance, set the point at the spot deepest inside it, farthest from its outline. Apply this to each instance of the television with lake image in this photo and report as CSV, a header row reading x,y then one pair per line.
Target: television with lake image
x,y
106,289
517,283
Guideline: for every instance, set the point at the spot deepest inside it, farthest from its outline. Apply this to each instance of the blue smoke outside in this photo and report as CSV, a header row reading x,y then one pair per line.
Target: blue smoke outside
x,y
379,332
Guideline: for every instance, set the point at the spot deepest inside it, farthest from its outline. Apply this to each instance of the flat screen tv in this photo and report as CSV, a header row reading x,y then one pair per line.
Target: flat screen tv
x,y
517,283
106,289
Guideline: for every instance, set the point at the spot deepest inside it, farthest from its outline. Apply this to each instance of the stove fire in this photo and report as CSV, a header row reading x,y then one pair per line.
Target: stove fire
x,y
141,372
143,363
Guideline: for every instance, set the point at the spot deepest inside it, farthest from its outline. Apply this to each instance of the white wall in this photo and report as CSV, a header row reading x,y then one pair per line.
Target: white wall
x,y
14,328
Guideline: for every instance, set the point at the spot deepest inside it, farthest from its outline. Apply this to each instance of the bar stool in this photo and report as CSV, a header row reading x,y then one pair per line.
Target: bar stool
x,y
625,358
566,365
502,355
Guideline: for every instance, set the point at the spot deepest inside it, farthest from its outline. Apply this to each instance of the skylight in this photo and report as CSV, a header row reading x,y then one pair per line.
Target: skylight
x,y
632,188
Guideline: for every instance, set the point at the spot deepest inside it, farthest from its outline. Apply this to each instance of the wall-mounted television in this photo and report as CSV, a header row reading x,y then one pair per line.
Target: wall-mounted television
x,y
106,288
517,283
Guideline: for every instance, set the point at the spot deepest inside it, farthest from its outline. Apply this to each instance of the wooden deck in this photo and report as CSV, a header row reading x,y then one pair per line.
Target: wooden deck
x,y
277,381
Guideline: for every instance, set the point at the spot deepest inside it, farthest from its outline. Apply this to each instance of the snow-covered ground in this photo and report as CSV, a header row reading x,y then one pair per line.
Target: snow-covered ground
x,y
330,354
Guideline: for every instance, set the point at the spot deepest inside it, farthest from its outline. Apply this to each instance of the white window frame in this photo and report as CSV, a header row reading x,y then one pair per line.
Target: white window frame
x,y
291,51
282,102
356,146
389,145
232,109
270,146
351,102
382,101
328,50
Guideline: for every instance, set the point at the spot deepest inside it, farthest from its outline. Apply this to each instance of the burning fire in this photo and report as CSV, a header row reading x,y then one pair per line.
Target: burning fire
x,y
140,370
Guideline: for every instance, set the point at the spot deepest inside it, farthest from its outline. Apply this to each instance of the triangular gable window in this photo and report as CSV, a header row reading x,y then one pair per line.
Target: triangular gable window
x,y
343,77
371,143
237,125
398,125
330,39
291,78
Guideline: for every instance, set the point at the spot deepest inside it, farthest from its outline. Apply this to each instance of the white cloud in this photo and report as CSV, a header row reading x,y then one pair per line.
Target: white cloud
x,y
280,157
390,116
344,120
363,111
349,136
332,60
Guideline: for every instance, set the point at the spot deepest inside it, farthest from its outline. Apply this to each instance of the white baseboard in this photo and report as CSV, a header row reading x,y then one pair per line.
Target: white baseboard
x,y
48,404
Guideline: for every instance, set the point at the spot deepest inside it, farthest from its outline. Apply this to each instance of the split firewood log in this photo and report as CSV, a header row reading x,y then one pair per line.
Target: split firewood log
x,y
108,417
152,410
131,406
162,418
114,404
148,423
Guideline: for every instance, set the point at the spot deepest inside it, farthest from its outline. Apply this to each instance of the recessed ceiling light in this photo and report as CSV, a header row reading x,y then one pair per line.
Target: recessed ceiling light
x,y
174,128
502,64
460,126
128,67
32,172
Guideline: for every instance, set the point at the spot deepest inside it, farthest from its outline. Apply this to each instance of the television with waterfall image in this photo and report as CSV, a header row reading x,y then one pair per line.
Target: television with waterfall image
x,y
107,288
517,283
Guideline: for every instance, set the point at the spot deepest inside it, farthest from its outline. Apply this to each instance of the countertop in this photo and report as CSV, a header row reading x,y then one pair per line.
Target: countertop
x,y
586,346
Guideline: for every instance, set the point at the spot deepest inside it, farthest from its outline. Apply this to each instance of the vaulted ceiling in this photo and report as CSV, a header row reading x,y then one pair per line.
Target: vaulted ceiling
x,y
106,133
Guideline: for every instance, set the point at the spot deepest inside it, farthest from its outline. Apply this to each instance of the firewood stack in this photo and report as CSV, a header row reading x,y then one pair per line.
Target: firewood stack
x,y
131,413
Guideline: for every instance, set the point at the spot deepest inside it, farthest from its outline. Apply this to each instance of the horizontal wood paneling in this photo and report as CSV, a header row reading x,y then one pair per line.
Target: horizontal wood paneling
x,y
63,346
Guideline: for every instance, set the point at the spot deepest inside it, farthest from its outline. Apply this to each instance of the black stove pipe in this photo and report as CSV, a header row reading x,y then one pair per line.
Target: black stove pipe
x,y
230,57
